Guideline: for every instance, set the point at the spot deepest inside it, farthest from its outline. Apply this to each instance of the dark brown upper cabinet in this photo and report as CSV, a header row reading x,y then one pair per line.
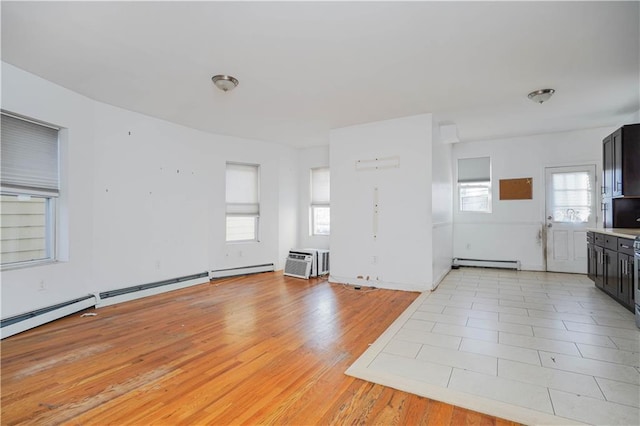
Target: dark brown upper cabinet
x,y
621,162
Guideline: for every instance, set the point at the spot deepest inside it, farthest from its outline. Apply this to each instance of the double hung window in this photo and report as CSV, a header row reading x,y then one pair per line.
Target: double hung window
x,y
474,184
242,202
320,201
29,181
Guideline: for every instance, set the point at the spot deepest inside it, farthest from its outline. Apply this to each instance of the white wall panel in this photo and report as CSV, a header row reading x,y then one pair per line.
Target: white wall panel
x,y
390,246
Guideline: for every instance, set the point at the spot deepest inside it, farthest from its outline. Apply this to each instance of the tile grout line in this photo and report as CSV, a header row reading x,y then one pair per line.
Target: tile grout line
x,y
600,388
553,407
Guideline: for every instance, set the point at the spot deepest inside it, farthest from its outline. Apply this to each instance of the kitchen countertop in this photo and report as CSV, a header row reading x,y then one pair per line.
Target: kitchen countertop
x,y
618,232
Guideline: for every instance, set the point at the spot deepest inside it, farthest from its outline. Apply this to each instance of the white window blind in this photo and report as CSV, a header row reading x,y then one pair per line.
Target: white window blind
x,y
571,197
29,156
242,193
474,184
320,192
474,170
243,202
320,201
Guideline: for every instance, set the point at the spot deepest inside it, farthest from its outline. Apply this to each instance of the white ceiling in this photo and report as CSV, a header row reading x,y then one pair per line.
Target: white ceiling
x,y
307,67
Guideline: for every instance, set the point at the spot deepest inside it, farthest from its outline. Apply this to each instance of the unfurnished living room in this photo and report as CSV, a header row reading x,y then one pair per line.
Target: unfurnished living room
x,y
307,213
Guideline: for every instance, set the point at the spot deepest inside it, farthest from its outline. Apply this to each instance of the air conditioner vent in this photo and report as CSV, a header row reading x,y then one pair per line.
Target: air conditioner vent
x,y
298,265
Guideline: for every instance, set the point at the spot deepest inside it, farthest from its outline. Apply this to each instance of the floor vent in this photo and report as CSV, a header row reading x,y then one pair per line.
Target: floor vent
x,y
243,270
479,263
111,297
18,323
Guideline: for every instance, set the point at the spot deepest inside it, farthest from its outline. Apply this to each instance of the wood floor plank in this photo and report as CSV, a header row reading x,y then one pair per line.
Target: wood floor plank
x,y
261,349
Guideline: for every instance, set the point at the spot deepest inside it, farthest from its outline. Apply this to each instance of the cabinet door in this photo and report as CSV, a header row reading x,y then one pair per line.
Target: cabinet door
x,y
607,167
592,261
630,160
624,271
610,275
599,266
616,162
607,212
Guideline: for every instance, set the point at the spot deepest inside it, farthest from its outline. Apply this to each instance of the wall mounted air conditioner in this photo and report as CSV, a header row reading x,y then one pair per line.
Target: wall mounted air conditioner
x,y
298,264
319,260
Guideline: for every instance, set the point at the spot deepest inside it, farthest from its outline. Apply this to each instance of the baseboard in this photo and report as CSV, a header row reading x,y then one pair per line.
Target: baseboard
x,y
112,297
19,323
242,270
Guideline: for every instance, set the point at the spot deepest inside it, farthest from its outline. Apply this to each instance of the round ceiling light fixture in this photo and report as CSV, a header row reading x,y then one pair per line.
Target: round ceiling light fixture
x,y
224,82
542,95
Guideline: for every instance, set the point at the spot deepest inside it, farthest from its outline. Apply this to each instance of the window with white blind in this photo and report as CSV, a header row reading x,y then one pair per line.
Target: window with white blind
x,y
572,197
320,201
474,184
243,202
29,190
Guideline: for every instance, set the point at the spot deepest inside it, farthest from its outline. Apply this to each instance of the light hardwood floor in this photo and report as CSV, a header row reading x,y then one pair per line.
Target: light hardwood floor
x,y
262,349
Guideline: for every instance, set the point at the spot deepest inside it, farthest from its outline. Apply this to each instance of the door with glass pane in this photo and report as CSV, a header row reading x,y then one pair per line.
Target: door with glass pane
x,y
570,210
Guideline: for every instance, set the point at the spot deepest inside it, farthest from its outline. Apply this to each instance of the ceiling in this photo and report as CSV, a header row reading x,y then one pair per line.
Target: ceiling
x,y
308,67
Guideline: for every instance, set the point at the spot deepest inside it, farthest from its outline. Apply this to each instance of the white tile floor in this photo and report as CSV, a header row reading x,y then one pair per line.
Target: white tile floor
x,y
534,347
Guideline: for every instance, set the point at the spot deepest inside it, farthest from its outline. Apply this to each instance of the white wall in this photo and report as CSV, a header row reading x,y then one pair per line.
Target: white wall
x,y
442,210
400,256
288,215
143,198
309,158
513,230
30,288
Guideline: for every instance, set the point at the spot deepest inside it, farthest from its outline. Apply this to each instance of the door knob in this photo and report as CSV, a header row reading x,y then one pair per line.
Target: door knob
x,y
549,225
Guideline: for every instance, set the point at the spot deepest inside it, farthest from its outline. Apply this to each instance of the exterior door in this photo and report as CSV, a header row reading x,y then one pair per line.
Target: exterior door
x,y
570,209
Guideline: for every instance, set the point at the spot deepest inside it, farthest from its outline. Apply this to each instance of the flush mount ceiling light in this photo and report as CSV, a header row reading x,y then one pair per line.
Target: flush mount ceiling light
x,y
542,95
224,82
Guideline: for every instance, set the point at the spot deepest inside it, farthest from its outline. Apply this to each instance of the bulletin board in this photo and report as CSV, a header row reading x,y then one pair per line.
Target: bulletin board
x,y
516,189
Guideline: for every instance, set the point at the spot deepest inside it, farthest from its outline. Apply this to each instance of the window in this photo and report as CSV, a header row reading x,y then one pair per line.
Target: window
x,y
320,197
29,190
243,205
474,184
571,197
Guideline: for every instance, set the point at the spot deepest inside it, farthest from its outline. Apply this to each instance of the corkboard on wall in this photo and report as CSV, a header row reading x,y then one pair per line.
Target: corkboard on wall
x,y
516,189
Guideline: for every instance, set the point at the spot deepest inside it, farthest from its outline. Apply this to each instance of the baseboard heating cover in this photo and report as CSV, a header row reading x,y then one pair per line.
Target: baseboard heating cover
x,y
242,270
112,297
505,264
19,323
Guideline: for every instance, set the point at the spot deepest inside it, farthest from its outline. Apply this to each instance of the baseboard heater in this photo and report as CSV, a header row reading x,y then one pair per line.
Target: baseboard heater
x,y
111,297
242,270
504,264
19,323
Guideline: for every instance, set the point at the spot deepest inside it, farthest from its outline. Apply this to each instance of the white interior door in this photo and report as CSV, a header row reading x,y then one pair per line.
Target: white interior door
x,y
570,210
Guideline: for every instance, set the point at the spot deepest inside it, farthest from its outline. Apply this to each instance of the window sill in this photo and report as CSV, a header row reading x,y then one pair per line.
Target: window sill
x,y
242,242
25,265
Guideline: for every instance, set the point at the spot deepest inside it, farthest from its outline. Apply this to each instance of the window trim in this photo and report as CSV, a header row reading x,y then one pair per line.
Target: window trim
x,y
256,225
316,203
49,194
476,173
51,230
255,215
483,184
312,220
